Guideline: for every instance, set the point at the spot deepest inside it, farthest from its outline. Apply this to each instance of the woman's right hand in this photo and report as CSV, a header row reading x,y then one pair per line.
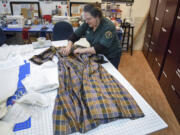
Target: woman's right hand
x,y
67,50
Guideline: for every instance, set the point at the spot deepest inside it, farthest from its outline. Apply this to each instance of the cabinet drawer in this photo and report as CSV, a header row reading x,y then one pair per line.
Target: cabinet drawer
x,y
176,83
156,31
151,56
153,8
149,28
162,45
164,81
147,39
160,9
156,67
169,14
171,64
145,49
158,20
174,101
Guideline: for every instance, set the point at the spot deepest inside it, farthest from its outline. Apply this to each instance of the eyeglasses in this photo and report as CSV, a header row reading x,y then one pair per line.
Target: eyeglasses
x,y
88,19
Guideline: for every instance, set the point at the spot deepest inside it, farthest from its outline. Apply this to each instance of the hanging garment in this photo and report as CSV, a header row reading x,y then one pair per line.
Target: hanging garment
x,y
88,95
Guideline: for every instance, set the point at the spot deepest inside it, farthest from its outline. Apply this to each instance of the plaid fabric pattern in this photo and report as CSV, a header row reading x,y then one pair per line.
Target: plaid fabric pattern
x,y
88,95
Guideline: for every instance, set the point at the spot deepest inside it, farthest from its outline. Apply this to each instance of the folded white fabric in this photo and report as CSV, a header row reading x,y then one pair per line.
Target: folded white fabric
x,y
37,45
8,82
11,61
4,53
6,128
12,50
43,77
82,42
17,113
3,109
9,71
34,98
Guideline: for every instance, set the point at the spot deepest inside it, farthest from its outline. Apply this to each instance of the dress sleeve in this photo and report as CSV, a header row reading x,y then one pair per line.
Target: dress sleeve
x,y
74,38
44,56
108,37
80,32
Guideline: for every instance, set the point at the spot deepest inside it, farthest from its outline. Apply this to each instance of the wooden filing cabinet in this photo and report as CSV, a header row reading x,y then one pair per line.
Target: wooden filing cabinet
x,y
170,78
156,30
173,52
159,51
172,93
162,49
150,23
157,42
175,82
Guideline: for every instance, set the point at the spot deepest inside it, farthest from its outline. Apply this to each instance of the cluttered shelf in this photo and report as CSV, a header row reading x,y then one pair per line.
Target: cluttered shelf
x,y
33,24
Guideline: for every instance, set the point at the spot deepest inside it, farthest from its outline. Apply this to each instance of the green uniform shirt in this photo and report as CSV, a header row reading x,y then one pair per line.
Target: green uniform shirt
x,y
104,35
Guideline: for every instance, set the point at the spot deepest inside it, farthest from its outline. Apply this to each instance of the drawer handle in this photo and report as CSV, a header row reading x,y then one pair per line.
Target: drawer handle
x,y
178,17
172,86
159,64
156,59
152,43
163,29
178,70
169,51
164,74
149,36
147,45
177,74
157,19
167,10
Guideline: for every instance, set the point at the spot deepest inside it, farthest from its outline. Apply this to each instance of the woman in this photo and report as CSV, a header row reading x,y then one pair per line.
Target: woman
x,y
100,33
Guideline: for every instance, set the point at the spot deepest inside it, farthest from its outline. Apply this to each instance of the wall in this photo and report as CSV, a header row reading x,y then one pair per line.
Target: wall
x,y
86,1
139,40
140,10
139,7
46,7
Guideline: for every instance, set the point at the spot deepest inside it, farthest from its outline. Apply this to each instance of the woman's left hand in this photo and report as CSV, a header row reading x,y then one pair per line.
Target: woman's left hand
x,y
79,51
90,50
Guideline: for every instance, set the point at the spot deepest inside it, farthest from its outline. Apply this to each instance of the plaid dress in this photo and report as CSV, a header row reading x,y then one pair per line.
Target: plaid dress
x,y
88,95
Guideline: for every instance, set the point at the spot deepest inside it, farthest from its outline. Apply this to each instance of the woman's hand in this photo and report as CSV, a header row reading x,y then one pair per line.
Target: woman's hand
x,y
79,51
90,50
67,50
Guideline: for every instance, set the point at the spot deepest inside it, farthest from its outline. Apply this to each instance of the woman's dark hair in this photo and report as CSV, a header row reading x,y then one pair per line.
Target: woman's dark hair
x,y
94,10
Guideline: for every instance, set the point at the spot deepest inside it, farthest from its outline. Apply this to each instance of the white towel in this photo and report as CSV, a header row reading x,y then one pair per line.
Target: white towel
x,y
34,98
6,128
13,50
8,82
43,77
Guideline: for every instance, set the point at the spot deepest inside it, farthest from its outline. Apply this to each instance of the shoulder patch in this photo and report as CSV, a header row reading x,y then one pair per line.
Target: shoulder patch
x,y
108,34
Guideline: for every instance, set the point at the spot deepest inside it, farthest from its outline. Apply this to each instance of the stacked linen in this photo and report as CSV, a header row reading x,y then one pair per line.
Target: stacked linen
x,y
43,78
13,50
9,70
23,99
19,85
